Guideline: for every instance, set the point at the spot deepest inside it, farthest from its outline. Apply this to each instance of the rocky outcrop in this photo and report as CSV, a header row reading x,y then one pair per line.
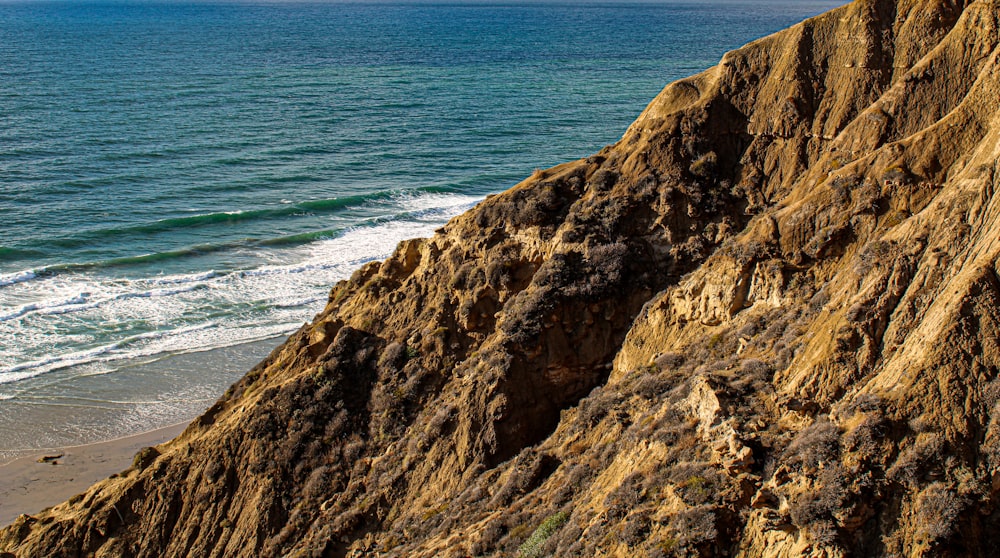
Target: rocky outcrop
x,y
764,323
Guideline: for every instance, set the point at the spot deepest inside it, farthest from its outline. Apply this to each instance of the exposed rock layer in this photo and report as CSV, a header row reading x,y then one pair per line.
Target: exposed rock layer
x,y
764,323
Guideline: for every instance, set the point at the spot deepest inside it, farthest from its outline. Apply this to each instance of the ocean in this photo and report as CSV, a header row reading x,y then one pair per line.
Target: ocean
x,y
181,183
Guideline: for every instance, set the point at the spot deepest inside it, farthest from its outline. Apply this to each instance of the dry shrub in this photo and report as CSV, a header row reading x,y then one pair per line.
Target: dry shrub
x,y
815,445
636,529
597,405
755,369
865,438
626,497
651,385
917,459
937,508
874,254
810,507
822,533
693,526
604,180
669,361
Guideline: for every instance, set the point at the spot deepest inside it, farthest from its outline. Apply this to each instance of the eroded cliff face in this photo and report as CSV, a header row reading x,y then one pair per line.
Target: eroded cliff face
x,y
764,323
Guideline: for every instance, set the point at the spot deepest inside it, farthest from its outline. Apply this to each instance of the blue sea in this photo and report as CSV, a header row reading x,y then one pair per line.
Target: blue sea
x,y
181,183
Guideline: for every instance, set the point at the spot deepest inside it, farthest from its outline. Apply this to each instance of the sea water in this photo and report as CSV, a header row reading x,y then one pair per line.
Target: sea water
x,y
182,182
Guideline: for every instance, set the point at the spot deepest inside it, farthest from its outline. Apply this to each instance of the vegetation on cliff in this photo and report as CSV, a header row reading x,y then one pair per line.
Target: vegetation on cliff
x,y
765,322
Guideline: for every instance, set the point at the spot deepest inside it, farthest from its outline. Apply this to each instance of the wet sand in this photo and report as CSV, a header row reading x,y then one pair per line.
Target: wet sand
x,y
29,486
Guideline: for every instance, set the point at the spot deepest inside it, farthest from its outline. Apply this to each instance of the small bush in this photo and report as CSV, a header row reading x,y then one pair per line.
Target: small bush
x,y
896,173
823,533
444,414
488,538
814,445
635,530
694,525
604,180
865,402
651,385
865,439
696,490
705,166
859,313
809,508
596,406
662,548
145,458
691,250
937,509
756,369
626,497
745,252
669,361
534,545
914,461
876,253
818,301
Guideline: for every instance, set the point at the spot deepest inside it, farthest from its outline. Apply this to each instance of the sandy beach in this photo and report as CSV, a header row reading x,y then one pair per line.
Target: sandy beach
x,y
61,416
34,482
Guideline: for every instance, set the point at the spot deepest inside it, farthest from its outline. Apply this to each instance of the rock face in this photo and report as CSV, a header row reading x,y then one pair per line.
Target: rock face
x,y
764,323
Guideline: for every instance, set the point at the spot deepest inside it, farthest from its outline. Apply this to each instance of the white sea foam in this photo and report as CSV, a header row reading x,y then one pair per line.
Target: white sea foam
x,y
15,278
287,270
31,369
435,202
80,298
82,301
299,302
181,279
68,309
111,351
158,292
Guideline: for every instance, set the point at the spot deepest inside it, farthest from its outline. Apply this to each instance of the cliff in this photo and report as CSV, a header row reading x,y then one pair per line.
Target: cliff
x,y
763,323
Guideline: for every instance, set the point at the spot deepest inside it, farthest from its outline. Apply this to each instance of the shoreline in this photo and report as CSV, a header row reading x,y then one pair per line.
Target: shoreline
x,y
28,484
78,409
133,414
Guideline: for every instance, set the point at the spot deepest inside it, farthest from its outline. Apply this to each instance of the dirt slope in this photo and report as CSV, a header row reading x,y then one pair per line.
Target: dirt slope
x,y
764,323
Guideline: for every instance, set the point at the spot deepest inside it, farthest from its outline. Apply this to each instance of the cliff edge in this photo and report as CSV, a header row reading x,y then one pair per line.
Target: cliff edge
x,y
763,323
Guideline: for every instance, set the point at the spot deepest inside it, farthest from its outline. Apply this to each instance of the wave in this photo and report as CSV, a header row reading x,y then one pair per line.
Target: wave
x,y
432,201
11,254
125,261
302,238
23,371
300,302
68,309
286,270
82,302
88,238
191,278
19,277
158,292
118,351
37,306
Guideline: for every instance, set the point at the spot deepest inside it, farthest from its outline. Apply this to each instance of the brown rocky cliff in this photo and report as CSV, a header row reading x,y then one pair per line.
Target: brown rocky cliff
x,y
765,322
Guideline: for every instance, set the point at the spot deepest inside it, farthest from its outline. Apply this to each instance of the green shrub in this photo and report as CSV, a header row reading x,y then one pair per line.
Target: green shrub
x,y
533,546
412,352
